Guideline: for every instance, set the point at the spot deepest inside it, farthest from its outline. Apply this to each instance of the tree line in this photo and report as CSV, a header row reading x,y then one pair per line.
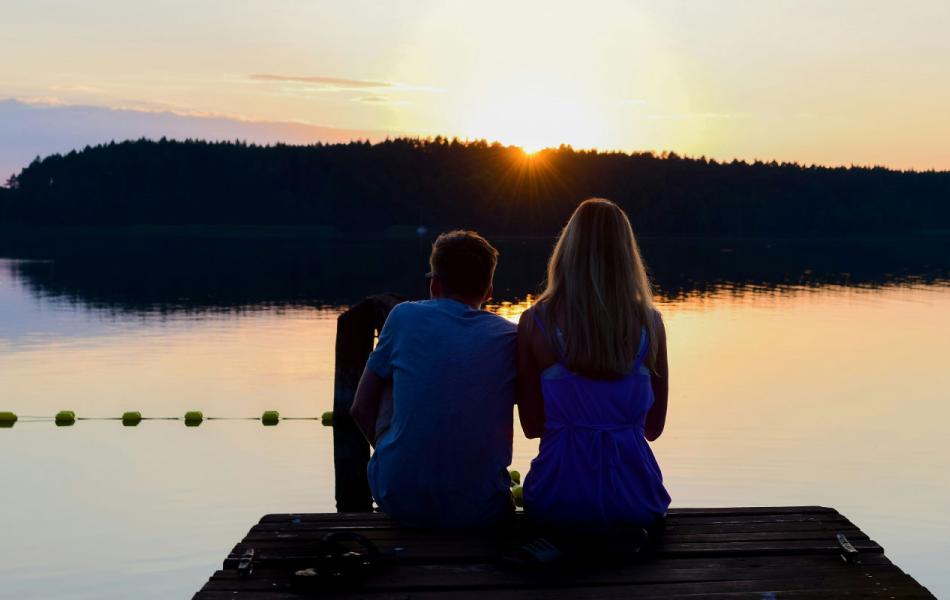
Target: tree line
x,y
398,185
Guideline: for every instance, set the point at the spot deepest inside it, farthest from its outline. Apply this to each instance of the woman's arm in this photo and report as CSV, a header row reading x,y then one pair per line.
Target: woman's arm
x,y
656,418
530,399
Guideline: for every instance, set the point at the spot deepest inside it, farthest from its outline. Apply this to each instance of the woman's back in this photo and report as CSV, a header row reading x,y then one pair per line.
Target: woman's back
x,y
594,467
594,395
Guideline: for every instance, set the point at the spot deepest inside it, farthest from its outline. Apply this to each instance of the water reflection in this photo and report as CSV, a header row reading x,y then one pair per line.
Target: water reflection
x,y
802,373
188,275
511,310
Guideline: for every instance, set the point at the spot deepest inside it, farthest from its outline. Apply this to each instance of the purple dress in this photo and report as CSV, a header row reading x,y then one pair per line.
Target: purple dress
x,y
594,467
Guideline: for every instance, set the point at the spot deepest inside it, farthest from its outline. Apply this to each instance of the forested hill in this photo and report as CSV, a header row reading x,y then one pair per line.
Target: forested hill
x,y
397,185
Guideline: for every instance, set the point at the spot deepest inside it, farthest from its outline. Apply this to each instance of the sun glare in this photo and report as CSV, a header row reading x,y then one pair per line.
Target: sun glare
x,y
535,120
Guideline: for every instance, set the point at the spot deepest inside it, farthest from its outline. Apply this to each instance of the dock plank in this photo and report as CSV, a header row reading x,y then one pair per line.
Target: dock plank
x,y
742,552
491,576
669,537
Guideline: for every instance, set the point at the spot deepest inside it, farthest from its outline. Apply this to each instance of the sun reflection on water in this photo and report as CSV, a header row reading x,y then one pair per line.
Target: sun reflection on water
x,y
511,310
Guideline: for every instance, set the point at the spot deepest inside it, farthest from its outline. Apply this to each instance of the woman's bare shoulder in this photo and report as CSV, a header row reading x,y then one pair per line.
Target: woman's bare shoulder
x,y
526,321
529,330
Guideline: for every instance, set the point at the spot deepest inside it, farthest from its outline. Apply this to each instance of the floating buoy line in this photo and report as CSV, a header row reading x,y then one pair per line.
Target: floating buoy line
x,y
192,418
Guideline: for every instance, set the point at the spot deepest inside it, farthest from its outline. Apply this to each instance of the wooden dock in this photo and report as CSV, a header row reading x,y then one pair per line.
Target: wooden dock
x,y
764,553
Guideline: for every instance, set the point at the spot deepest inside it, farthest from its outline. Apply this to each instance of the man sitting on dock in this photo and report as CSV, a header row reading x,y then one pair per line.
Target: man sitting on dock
x,y
442,461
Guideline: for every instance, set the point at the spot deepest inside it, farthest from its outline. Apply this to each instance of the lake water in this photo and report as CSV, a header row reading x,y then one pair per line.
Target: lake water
x,y
801,373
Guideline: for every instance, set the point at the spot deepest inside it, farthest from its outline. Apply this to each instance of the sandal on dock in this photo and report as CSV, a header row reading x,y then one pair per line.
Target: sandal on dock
x,y
538,552
342,559
580,546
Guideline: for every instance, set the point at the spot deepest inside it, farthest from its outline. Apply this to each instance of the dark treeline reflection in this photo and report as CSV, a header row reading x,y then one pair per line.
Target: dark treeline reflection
x,y
193,275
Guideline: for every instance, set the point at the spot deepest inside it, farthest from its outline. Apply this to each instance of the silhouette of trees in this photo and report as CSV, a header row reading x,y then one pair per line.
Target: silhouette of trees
x,y
363,188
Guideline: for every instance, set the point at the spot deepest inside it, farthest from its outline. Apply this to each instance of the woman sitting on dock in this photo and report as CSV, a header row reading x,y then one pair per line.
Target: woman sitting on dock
x,y
593,380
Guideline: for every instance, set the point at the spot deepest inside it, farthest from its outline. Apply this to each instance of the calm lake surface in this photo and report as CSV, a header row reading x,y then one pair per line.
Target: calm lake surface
x,y
801,373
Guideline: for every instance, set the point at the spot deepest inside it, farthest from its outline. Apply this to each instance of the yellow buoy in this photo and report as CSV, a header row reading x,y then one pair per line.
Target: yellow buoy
x,y
515,477
193,418
65,418
131,418
518,493
7,419
270,417
327,418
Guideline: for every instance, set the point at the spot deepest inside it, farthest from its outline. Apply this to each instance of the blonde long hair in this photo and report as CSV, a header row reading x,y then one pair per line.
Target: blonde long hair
x,y
598,292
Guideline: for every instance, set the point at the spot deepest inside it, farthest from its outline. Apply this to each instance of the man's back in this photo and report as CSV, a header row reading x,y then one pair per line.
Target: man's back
x,y
443,460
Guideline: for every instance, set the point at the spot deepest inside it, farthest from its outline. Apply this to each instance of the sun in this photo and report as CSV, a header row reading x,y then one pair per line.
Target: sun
x,y
535,119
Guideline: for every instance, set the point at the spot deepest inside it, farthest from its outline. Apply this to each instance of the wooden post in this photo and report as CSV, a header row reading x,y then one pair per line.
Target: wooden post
x,y
355,331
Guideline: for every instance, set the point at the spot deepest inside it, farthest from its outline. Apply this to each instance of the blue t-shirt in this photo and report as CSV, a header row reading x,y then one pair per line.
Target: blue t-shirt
x,y
443,461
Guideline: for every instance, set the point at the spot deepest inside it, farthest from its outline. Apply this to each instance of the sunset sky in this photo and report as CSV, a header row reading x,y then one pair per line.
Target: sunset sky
x,y
839,82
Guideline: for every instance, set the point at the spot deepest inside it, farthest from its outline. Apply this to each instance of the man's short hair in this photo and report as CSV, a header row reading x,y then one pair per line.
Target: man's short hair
x,y
465,262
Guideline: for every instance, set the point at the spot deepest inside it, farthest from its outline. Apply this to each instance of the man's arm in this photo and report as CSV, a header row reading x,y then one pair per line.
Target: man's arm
x,y
377,375
365,409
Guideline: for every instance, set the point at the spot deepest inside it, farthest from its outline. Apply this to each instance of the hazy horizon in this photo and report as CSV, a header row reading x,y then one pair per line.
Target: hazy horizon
x,y
73,127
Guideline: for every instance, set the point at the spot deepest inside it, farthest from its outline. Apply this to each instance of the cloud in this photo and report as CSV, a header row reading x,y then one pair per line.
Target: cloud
x,y
374,99
339,84
42,101
333,82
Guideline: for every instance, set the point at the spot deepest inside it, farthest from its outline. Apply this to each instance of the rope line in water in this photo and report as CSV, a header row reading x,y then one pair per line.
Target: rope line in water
x,y
192,418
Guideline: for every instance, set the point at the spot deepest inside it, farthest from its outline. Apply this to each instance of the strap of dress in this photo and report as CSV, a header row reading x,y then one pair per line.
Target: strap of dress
x,y
558,340
645,341
642,349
